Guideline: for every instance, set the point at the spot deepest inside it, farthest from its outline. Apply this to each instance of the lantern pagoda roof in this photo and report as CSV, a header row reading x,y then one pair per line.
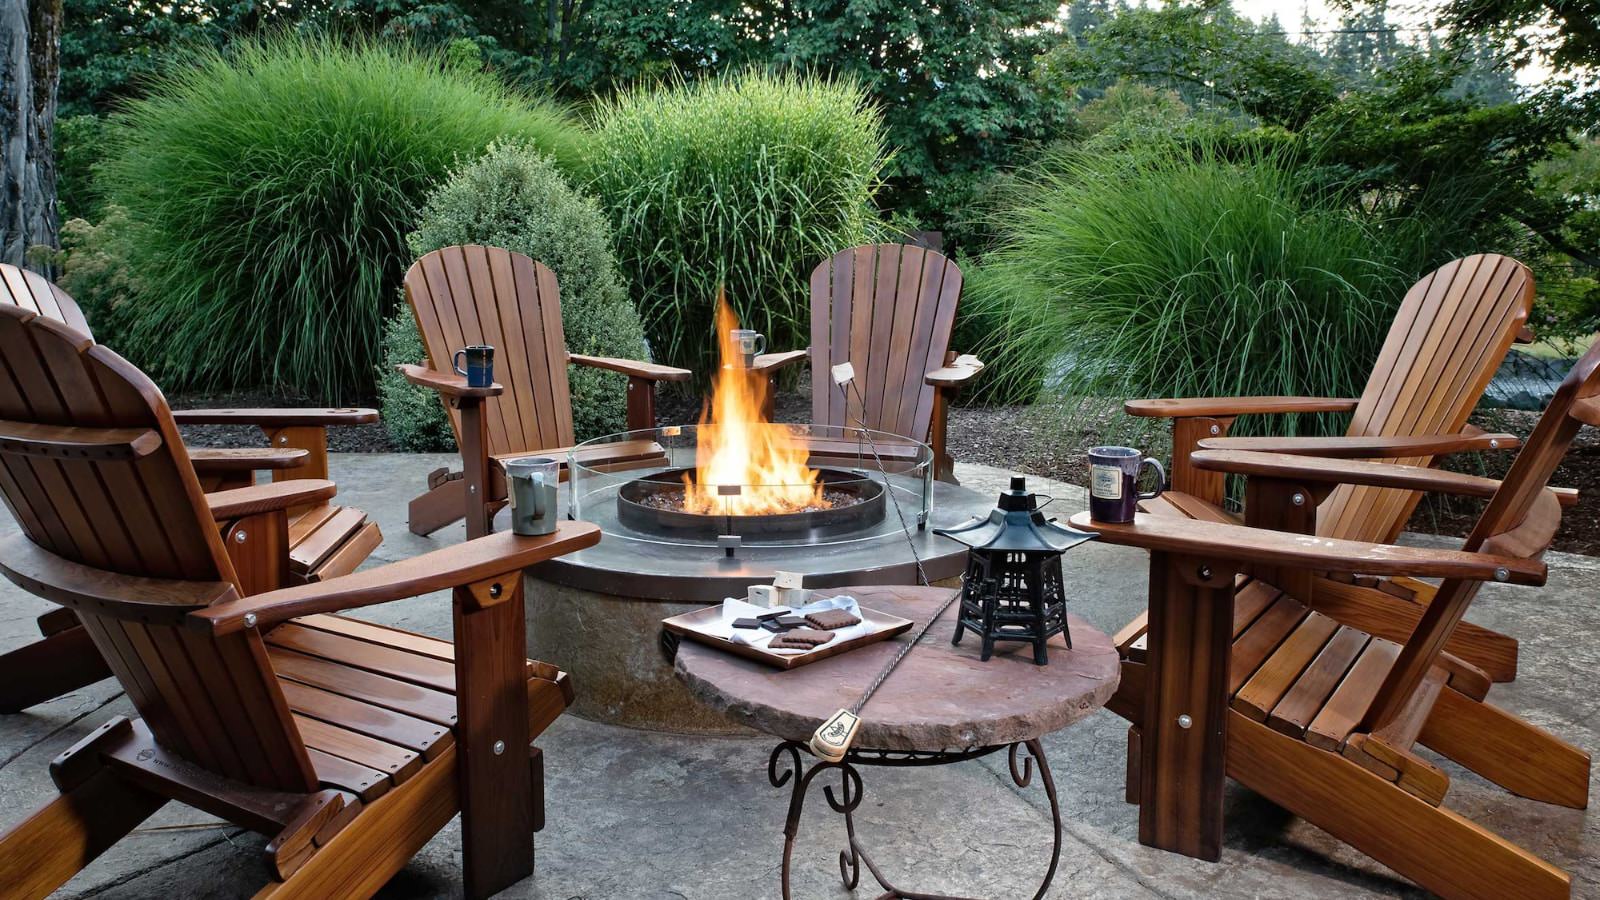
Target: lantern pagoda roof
x,y
1016,524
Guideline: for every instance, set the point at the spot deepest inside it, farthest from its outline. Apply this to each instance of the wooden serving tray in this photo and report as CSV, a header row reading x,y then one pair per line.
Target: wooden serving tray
x,y
692,626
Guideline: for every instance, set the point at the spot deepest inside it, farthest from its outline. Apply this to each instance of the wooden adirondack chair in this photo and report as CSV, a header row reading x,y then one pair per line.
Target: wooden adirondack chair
x,y
1321,717
350,744
486,295
887,309
1448,338
322,540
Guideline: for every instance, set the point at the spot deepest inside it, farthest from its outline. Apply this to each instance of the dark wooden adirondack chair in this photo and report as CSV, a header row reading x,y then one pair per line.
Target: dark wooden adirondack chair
x,y
1321,717
486,295
350,744
320,540
1448,338
887,309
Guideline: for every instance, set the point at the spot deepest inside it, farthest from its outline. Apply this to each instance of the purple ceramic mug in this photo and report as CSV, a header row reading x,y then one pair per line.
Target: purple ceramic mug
x,y
1113,476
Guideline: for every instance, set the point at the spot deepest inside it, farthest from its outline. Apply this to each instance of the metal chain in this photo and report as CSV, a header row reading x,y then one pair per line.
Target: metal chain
x,y
922,575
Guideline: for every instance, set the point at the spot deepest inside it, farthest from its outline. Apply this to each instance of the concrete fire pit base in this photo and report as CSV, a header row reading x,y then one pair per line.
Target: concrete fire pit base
x,y
611,646
597,613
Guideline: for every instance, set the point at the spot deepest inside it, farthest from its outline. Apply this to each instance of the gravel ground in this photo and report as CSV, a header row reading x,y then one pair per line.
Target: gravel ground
x,y
1032,441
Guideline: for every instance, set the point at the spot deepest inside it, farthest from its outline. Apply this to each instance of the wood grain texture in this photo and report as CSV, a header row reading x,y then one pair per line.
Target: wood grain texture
x,y
1255,545
1432,846
1368,446
1185,407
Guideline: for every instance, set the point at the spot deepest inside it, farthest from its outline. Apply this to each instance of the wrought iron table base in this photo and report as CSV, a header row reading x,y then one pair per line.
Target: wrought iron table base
x,y
849,799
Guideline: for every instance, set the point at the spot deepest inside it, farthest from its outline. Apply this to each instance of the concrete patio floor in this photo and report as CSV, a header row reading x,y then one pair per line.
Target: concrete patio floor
x,y
635,814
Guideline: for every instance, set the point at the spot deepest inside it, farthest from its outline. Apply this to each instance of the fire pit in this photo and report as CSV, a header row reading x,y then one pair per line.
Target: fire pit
x,y
722,505
657,503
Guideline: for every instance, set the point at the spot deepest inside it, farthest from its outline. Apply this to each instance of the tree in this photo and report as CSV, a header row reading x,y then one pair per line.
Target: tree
x,y
30,33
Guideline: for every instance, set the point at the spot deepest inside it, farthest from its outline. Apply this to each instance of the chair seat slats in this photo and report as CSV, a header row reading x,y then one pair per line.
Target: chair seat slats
x,y
414,700
389,661
426,738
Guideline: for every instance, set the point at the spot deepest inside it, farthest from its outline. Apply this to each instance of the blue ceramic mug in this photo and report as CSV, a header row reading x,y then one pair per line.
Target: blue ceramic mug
x,y
479,370
1113,476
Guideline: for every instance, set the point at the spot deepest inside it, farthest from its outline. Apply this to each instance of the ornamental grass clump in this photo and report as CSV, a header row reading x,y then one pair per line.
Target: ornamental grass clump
x,y
1184,274
745,182
514,197
270,189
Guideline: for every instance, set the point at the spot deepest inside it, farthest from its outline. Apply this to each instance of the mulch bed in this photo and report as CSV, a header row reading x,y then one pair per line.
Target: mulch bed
x,y
1021,439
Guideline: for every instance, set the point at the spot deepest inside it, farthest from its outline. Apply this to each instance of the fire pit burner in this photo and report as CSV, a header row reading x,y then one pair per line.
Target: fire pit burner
x,y
654,504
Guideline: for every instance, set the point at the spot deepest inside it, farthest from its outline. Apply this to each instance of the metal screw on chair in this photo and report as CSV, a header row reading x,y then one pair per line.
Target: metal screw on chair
x,y
495,590
1216,429
249,620
1494,444
1205,573
1184,721
472,489
1502,574
499,747
239,536
283,439
1298,499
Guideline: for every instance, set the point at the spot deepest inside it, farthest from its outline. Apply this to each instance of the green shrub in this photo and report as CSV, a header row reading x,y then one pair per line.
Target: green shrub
x,y
1183,274
79,143
513,197
272,187
96,271
746,182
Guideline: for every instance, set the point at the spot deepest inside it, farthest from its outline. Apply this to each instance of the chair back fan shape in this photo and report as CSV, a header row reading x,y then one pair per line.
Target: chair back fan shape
x,y
35,293
488,295
1451,332
93,470
887,309
1520,520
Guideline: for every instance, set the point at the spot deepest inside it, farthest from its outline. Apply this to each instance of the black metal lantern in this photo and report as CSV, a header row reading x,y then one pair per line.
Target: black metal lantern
x,y
1013,590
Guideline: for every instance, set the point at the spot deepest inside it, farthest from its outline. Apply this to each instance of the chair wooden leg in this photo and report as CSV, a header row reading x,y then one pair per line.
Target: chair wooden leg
x,y
41,852
1509,751
944,465
1184,729
362,857
497,818
48,668
1434,847
444,504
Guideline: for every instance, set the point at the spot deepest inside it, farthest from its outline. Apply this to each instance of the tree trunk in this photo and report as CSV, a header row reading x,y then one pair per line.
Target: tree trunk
x,y
30,61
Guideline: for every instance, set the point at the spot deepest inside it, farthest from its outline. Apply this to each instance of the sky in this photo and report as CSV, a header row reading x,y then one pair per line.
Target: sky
x,y
1410,14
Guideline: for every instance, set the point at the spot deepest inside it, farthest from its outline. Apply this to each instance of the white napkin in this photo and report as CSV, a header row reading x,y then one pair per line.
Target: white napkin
x,y
733,609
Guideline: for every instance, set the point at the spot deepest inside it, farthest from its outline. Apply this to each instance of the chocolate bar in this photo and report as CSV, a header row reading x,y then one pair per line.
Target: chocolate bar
x,y
792,621
746,623
830,619
800,639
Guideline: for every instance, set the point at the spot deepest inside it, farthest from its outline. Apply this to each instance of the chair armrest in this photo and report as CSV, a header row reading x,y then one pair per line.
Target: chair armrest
x,y
1365,447
631,368
451,385
1355,471
209,461
771,362
957,373
1183,408
461,564
1259,546
260,498
276,418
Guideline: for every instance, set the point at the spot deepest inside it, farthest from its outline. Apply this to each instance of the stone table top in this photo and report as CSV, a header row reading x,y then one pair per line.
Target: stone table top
x,y
941,697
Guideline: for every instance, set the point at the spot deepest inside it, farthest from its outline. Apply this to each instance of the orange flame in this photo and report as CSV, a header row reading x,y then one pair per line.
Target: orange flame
x,y
735,447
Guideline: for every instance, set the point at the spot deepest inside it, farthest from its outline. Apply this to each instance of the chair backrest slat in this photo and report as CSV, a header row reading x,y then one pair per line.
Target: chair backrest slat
x,y
37,294
472,294
213,700
1516,519
1453,329
887,309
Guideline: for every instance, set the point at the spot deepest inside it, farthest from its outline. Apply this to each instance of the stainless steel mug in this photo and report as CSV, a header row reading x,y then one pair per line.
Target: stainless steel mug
x,y
751,344
531,485
1113,476
479,370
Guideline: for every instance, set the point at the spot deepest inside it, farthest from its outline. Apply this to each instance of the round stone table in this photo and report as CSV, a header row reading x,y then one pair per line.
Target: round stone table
x,y
940,705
